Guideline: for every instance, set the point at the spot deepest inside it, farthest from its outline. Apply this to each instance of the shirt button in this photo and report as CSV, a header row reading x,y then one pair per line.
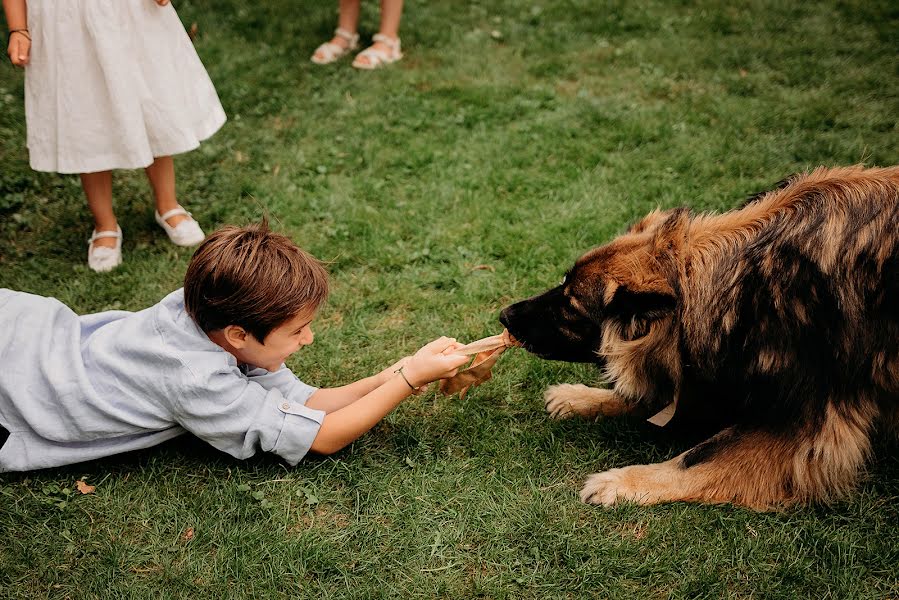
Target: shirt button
x,y
285,406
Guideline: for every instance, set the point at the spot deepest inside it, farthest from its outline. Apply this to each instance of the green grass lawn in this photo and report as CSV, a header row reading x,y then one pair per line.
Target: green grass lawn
x,y
513,136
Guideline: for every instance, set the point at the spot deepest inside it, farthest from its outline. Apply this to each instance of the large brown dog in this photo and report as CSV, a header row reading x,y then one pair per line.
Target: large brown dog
x,y
778,322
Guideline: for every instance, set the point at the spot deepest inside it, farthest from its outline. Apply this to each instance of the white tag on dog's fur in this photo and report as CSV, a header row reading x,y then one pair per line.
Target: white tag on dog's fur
x,y
662,417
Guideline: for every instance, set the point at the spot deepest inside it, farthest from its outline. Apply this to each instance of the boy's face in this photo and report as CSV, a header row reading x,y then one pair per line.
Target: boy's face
x,y
280,343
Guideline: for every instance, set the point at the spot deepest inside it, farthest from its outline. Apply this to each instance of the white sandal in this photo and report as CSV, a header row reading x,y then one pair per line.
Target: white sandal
x,y
186,233
104,258
377,58
330,51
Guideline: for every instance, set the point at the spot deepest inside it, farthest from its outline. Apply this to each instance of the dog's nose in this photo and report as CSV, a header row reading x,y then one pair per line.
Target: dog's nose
x,y
504,316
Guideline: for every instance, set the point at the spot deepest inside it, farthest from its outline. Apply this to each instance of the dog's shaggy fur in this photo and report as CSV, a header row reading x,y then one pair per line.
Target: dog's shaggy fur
x,y
776,323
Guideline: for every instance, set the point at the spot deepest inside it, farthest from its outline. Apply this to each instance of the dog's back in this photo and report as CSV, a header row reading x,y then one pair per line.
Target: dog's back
x,y
811,290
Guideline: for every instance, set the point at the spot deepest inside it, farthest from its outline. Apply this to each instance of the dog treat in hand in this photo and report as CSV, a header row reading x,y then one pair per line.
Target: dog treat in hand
x,y
486,351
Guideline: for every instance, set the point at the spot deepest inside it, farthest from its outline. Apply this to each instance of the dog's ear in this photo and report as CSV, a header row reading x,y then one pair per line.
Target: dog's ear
x,y
650,301
669,236
643,289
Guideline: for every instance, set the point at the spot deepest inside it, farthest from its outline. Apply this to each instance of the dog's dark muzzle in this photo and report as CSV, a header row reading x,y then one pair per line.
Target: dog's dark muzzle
x,y
540,325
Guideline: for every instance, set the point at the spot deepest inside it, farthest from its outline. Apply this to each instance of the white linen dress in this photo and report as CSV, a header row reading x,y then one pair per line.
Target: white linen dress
x,y
112,84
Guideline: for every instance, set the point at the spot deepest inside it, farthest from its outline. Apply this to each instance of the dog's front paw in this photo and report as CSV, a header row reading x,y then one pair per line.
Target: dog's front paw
x,y
628,484
564,400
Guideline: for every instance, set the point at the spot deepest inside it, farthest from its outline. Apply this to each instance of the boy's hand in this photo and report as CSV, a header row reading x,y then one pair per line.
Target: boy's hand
x,y
19,48
434,361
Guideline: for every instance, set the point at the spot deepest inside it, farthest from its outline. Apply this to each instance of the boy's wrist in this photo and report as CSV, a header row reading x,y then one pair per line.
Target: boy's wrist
x,y
405,377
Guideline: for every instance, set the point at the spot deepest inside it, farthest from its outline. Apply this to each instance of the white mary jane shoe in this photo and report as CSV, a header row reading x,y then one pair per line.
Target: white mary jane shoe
x,y
185,233
102,258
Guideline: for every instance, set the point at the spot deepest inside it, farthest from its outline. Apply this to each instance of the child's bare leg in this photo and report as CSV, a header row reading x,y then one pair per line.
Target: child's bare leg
x,y
348,21
567,400
162,179
98,189
391,12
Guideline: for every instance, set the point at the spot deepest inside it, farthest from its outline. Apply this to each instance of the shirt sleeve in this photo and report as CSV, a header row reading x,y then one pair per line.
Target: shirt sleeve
x,y
284,380
239,415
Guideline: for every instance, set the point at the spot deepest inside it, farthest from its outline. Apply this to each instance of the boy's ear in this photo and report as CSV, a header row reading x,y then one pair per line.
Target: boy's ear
x,y
236,336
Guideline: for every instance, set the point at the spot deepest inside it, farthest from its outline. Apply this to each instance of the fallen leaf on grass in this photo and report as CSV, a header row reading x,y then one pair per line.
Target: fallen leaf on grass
x,y
188,534
192,32
490,268
85,488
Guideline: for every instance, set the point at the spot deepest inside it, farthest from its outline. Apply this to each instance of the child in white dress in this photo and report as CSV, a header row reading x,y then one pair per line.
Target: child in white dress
x,y
112,84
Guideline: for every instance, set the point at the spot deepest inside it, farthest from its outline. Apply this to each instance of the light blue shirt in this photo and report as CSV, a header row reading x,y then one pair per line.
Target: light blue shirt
x,y
76,388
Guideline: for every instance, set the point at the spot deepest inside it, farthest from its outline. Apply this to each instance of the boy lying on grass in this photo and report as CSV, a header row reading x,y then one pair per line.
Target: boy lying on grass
x,y
208,359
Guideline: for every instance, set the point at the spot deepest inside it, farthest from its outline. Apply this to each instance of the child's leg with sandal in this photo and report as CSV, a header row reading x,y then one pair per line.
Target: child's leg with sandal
x,y
386,46
105,245
345,38
181,228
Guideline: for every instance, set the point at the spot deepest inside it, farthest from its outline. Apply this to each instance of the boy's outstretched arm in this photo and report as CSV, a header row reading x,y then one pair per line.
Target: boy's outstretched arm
x,y
332,399
343,426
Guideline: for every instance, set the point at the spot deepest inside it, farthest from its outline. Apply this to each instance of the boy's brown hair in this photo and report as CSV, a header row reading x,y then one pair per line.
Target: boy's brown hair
x,y
253,278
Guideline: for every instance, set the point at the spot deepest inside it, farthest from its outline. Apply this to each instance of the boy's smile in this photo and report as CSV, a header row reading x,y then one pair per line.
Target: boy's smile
x,y
279,344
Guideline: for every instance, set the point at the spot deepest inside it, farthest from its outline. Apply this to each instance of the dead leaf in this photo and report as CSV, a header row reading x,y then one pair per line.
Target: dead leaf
x,y
490,268
85,488
475,375
188,534
486,351
192,32
240,156
743,72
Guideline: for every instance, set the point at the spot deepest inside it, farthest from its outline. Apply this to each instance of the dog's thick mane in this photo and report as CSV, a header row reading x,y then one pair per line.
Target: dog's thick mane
x,y
755,284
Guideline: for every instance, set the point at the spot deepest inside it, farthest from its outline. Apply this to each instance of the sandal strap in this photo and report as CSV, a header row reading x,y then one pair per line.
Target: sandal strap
x,y
352,38
174,213
98,235
330,50
393,43
374,55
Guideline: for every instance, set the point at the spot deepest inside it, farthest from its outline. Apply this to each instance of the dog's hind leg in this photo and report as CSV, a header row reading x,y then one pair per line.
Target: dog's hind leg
x,y
758,468
566,400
